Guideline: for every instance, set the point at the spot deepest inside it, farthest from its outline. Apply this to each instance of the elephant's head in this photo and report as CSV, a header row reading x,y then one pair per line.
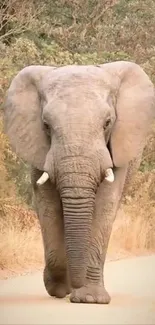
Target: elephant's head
x,y
75,123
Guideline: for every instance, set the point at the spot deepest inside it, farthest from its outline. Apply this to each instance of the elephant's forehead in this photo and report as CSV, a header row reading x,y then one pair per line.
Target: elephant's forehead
x,y
76,100
76,92
69,80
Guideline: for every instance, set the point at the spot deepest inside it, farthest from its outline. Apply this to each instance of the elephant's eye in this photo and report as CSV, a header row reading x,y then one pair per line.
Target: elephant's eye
x,y
107,123
47,128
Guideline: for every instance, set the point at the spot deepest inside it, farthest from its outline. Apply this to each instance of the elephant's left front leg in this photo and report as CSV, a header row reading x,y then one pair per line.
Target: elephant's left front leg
x,y
107,202
50,215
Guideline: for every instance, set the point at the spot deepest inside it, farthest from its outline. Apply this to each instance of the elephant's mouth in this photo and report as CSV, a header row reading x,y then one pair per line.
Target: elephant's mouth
x,y
109,177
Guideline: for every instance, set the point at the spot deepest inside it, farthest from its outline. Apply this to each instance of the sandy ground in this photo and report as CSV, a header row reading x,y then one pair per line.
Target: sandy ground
x,y
131,283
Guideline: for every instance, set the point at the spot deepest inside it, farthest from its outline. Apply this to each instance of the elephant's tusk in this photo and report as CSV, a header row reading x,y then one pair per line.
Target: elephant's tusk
x,y
109,175
44,177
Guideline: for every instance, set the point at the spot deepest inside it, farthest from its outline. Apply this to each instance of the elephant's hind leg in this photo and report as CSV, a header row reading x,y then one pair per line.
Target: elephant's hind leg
x,y
49,211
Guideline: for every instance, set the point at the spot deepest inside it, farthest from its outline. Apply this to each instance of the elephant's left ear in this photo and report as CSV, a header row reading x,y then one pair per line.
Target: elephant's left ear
x,y
135,111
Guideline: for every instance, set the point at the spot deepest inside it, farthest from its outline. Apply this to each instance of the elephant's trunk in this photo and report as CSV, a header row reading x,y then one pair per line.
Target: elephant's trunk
x,y
78,207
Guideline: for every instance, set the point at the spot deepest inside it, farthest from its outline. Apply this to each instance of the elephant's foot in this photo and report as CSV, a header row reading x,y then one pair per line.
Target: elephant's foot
x,y
90,293
56,284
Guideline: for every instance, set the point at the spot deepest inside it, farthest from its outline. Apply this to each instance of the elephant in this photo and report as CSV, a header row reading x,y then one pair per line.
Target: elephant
x,y
82,129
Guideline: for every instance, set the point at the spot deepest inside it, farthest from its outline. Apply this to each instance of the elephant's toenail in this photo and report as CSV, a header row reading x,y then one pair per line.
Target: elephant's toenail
x,y
89,298
75,299
100,300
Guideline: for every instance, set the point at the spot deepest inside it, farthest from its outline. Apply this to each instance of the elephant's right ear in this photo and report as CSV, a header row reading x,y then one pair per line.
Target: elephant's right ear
x,y
22,116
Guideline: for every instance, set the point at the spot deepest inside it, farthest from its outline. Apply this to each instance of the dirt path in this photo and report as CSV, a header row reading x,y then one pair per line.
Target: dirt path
x,y
131,283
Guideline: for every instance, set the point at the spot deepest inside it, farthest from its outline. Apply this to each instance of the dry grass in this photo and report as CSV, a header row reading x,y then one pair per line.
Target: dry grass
x,y
134,228
130,235
20,242
21,248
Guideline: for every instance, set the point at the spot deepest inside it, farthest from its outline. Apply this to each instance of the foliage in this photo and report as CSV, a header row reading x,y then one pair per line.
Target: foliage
x,y
7,188
17,17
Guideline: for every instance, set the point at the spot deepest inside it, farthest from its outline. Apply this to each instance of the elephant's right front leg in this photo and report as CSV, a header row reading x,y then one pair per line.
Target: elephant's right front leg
x,y
107,202
50,215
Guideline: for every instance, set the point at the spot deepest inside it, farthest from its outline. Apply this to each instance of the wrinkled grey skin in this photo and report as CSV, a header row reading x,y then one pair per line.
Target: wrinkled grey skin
x,y
74,122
